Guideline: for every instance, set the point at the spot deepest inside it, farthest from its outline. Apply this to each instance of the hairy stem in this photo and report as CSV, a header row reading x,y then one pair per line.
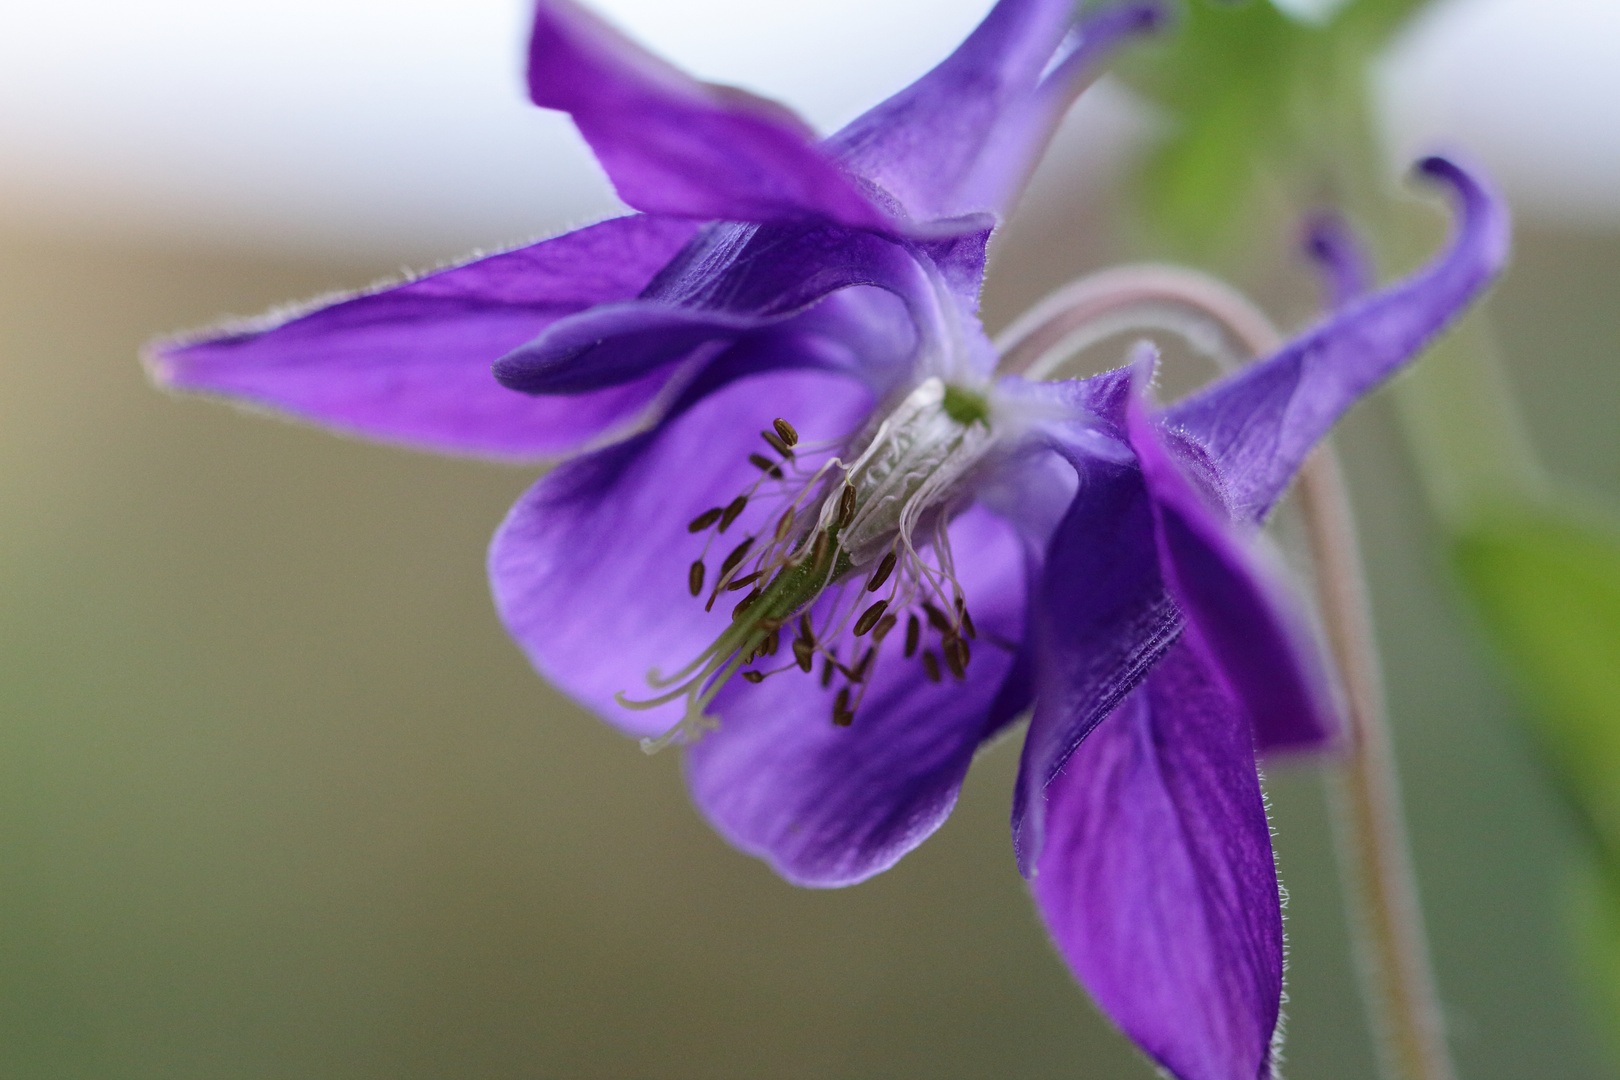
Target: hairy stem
x,y
1374,858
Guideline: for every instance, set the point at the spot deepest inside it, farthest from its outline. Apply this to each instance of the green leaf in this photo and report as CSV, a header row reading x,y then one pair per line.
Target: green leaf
x,y
1252,96
1546,584
1594,924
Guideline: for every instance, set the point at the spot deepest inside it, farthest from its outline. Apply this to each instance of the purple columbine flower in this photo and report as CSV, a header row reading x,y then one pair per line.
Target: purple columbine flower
x,y
807,530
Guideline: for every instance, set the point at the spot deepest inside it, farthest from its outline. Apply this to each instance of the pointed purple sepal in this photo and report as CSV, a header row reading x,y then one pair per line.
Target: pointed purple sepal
x,y
1241,621
673,145
1157,881
410,363
962,139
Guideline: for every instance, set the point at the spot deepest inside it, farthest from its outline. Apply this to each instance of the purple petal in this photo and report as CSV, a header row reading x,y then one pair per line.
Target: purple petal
x,y
1157,881
411,363
1259,424
828,805
673,145
733,280
1346,269
1101,616
962,139
589,569
1240,621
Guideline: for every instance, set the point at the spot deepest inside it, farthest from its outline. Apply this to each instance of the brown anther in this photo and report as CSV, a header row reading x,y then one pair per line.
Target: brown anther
x,y
931,665
827,668
804,653
743,582
956,656
704,520
858,674
776,443
819,551
913,634
881,574
869,617
754,676
765,465
938,619
735,507
744,604
885,624
736,556
841,713
694,577
785,431
784,525
846,507
804,628
965,619
772,642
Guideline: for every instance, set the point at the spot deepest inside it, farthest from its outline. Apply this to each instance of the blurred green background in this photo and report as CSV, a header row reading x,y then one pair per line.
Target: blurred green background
x,y
279,799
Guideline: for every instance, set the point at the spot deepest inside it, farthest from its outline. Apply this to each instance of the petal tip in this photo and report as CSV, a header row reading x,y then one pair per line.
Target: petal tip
x,y
1149,16
1484,213
159,364
1332,245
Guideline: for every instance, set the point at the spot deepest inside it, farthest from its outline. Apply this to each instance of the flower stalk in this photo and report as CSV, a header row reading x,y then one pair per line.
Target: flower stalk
x,y
1364,794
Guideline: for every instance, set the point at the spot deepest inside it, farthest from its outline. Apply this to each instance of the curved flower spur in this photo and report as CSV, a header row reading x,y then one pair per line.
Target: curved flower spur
x,y
809,532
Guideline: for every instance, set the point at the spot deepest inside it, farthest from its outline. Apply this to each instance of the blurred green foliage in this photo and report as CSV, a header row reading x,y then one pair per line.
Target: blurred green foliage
x,y
1253,96
1547,589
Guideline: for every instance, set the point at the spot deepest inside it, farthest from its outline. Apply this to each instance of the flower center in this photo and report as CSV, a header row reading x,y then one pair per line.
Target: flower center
x,y
870,534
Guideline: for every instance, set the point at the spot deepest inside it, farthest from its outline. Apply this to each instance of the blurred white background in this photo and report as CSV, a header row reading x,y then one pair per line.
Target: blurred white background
x,y
400,126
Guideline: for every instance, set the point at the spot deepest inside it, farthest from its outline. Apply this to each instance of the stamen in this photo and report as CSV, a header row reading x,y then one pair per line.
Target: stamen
x,y
965,619
777,443
704,520
937,618
870,617
730,514
884,516
736,556
744,582
846,507
819,553
881,574
745,603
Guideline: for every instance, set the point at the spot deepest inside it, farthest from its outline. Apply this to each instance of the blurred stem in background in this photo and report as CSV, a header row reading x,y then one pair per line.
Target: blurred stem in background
x,y
1269,117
